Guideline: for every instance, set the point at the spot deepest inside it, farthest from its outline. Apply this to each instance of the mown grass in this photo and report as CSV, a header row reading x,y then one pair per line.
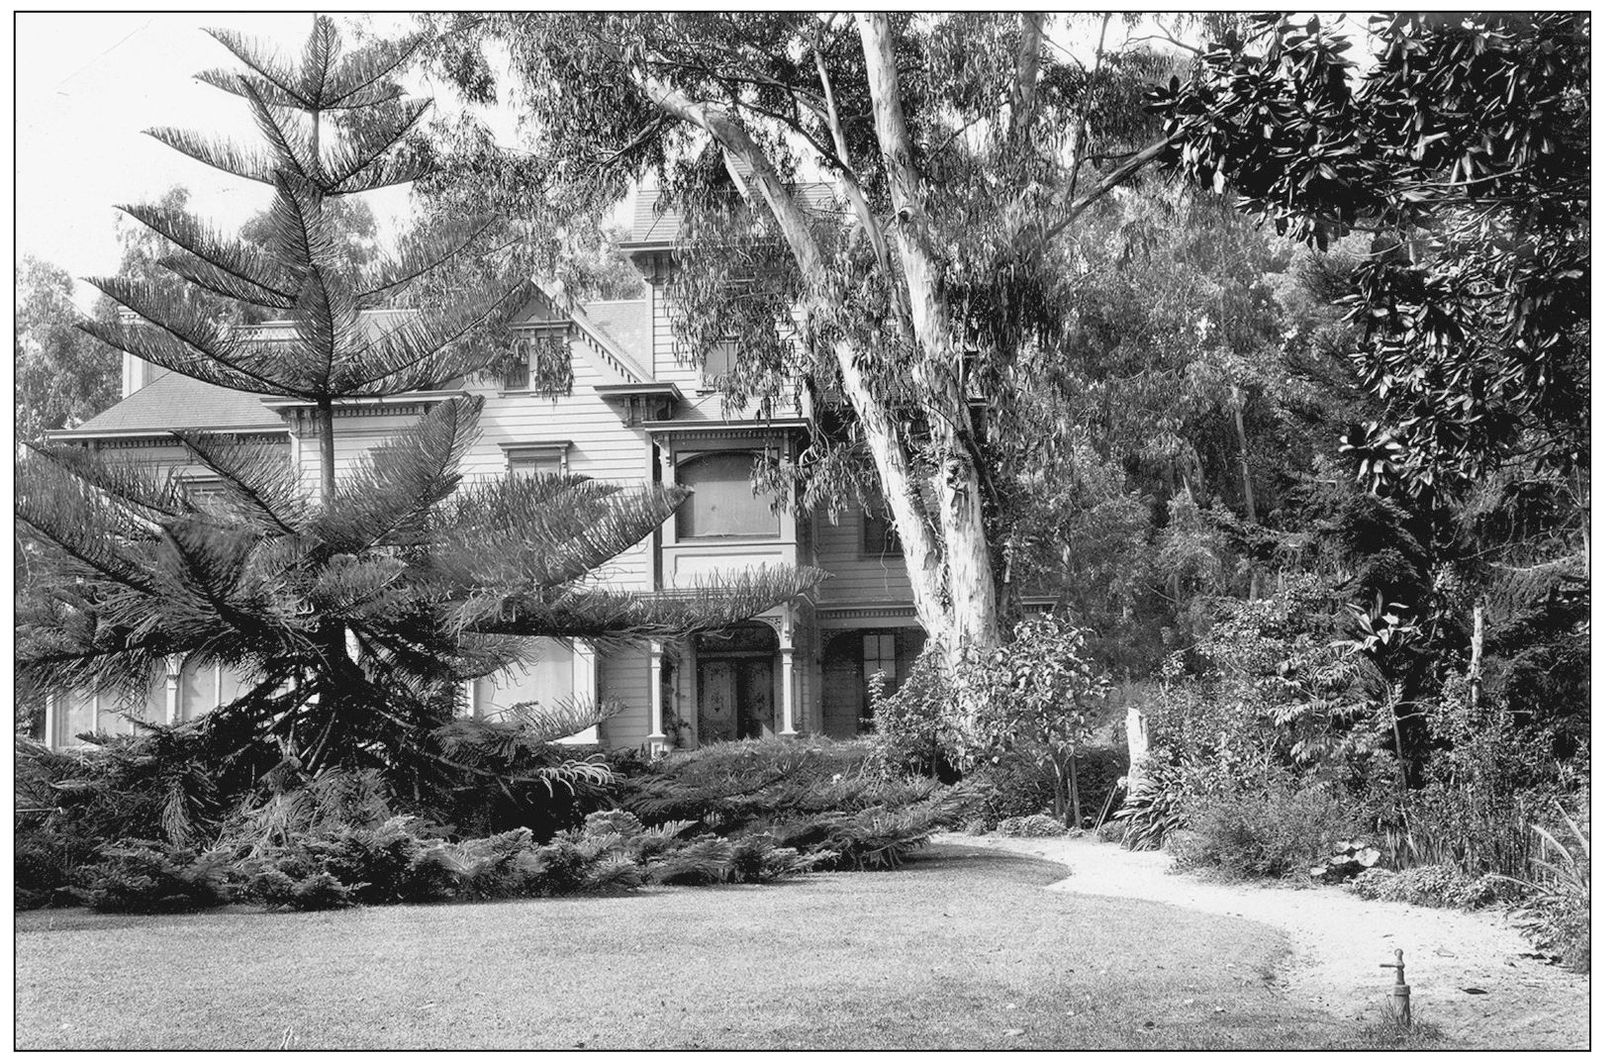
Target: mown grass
x,y
960,949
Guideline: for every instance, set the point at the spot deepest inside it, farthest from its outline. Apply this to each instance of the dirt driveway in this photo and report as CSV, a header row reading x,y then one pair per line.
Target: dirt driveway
x,y
1339,941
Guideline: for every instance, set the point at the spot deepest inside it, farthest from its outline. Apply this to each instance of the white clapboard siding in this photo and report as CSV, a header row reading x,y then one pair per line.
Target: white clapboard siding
x,y
624,676
855,577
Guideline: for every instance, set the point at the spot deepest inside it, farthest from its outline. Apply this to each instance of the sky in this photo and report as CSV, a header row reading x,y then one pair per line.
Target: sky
x,y
87,85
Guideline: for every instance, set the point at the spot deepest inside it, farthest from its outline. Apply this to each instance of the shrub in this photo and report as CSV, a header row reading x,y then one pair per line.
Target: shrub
x,y
1441,886
69,803
910,724
1111,831
271,886
1558,914
1040,696
1033,825
150,876
1012,787
506,865
1277,831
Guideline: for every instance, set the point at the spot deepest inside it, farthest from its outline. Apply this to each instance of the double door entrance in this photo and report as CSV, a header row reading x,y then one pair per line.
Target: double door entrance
x,y
736,697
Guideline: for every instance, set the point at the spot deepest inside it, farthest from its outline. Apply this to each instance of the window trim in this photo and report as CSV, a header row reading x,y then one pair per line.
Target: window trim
x,y
537,449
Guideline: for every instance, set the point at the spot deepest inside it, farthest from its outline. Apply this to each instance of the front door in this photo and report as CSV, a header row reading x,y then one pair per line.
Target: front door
x,y
736,698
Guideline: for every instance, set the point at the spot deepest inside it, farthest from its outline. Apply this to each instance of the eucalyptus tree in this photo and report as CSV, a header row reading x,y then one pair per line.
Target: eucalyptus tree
x,y
883,187
358,610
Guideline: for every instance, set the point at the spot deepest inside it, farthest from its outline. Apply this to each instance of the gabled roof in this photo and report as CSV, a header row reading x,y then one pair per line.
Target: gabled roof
x,y
652,226
176,402
628,324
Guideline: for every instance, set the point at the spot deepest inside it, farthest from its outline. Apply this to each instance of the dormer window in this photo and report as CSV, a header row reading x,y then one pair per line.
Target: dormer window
x,y
534,349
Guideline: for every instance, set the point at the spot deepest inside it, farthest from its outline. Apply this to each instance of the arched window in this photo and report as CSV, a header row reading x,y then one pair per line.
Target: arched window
x,y
723,502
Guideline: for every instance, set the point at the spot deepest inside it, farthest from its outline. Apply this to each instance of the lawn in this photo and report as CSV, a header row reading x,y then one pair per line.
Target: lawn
x,y
960,949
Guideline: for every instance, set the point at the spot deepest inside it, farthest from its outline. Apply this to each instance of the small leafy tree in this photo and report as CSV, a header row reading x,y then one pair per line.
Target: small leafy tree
x,y
357,612
1039,694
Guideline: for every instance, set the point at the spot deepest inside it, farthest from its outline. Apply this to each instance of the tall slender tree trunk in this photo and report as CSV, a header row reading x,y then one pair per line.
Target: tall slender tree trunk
x,y
1476,654
328,449
958,485
1248,481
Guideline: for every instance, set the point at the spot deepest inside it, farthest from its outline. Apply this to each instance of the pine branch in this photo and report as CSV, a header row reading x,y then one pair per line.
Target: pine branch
x,y
187,338
226,157
293,148
366,148
320,56
254,272
251,54
387,498
613,614
533,533
259,480
418,353
362,78
386,275
133,483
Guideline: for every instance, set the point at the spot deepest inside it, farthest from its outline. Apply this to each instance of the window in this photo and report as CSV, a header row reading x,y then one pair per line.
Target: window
x,y
878,537
879,661
718,362
723,502
535,461
204,491
539,355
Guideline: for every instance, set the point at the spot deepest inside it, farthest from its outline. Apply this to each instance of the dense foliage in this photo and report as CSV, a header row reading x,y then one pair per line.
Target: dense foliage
x,y
138,827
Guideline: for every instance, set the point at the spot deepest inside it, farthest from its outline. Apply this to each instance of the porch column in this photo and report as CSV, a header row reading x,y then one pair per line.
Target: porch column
x,y
171,690
785,637
657,743
585,684
53,716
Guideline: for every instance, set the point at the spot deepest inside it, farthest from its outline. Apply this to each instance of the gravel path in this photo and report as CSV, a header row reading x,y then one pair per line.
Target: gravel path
x,y
1339,941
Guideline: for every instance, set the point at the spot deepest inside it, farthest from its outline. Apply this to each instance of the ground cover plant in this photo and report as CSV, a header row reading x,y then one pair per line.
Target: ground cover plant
x,y
120,837
829,799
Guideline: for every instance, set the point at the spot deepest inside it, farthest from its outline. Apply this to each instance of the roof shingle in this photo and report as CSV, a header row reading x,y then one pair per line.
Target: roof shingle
x,y
177,401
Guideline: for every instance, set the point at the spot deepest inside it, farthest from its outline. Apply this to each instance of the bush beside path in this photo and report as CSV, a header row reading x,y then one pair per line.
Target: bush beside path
x,y
1338,942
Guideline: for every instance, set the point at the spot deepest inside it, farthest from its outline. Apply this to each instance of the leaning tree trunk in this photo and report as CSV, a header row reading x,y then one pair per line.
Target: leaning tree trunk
x,y
880,426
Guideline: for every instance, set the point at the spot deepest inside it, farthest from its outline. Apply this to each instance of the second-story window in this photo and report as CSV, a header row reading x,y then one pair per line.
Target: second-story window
x,y
723,502
878,537
718,362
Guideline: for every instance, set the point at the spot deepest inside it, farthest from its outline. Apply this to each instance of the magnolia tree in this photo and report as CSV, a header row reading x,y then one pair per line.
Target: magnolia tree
x,y
357,611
